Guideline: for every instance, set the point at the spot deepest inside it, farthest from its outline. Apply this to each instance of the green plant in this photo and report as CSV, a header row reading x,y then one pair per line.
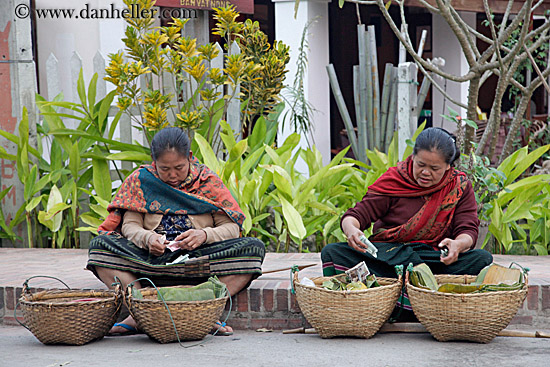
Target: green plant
x,y
300,111
261,88
68,167
284,206
182,87
519,206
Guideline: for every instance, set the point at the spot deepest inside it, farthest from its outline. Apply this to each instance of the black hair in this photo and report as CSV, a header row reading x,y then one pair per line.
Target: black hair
x,y
440,140
170,138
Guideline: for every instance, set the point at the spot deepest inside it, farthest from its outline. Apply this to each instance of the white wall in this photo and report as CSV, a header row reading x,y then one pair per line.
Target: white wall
x,y
63,36
445,45
289,30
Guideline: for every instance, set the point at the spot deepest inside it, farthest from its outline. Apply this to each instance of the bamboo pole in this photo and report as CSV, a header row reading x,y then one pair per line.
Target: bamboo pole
x,y
422,42
371,48
335,86
365,93
390,126
358,113
422,93
385,104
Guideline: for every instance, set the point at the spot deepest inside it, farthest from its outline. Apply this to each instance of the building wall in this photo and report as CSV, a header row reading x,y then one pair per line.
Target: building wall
x,y
63,36
446,45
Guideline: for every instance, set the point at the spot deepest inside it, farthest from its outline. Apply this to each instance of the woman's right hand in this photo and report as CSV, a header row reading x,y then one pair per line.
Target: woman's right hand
x,y
350,227
157,245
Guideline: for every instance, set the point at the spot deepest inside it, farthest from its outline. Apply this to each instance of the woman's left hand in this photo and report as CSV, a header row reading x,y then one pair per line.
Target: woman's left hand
x,y
191,239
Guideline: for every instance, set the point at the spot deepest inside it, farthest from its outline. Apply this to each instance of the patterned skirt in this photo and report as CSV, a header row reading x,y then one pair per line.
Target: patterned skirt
x,y
230,257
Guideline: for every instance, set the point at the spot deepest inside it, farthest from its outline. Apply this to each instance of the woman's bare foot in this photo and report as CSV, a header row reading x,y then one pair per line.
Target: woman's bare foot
x,y
222,329
128,326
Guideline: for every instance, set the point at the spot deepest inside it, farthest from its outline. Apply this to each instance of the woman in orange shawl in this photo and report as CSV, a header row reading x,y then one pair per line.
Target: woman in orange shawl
x,y
174,222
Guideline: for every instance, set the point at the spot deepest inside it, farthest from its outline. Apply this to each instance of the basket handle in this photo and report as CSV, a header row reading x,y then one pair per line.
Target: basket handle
x,y
26,283
26,290
524,270
293,269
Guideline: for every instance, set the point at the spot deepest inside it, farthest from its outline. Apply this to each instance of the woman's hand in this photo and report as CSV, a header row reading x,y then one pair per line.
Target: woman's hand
x,y
462,243
191,239
350,227
157,245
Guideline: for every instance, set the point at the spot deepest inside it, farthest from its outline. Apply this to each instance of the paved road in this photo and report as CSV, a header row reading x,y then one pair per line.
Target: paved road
x,y
18,347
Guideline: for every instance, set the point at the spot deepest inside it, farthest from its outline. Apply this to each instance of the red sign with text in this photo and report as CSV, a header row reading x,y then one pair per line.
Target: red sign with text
x,y
243,6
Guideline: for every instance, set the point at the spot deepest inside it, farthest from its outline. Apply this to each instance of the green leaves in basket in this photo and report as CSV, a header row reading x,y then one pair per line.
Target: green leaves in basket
x,y
185,294
501,287
356,286
211,289
422,276
334,284
136,293
458,288
343,283
371,281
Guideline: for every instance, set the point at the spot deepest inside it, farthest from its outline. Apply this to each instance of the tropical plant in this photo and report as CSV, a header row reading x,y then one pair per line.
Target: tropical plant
x,y
68,167
261,88
170,80
521,207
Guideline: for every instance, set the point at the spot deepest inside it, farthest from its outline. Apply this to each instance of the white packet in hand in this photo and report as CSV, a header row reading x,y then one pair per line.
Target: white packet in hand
x,y
371,249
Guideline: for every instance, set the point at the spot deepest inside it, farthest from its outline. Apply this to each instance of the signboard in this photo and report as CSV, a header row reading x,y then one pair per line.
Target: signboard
x,y
243,6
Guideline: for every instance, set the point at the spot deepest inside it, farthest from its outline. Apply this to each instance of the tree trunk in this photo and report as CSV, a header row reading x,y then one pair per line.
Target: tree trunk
x,y
518,117
473,95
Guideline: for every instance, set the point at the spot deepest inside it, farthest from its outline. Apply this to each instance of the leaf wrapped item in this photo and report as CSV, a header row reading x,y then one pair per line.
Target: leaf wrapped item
x,y
498,274
422,276
210,289
492,278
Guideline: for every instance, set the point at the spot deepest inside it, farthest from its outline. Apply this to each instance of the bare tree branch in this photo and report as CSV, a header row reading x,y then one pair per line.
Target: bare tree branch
x,y
466,29
522,107
460,36
536,67
493,32
429,6
505,17
507,32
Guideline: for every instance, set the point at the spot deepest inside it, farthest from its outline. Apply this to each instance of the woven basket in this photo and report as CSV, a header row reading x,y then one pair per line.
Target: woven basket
x,y
347,313
193,319
54,318
477,317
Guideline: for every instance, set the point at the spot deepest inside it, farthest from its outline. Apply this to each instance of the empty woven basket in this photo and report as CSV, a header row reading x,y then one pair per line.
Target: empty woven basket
x,y
193,319
347,313
477,317
73,317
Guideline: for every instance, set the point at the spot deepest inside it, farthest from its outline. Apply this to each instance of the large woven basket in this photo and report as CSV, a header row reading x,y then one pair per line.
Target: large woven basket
x,y
72,317
193,319
347,313
477,317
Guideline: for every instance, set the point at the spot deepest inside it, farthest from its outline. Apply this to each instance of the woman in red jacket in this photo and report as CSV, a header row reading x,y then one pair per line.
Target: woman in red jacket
x,y
418,208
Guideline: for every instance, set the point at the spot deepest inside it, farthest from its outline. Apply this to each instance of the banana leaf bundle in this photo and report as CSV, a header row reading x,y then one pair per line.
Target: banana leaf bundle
x,y
421,276
210,289
492,278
